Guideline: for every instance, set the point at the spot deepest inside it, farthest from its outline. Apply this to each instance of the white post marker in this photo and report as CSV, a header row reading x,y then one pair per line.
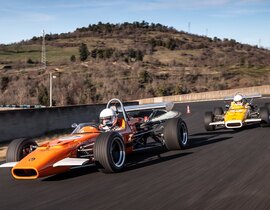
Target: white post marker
x,y
51,77
188,110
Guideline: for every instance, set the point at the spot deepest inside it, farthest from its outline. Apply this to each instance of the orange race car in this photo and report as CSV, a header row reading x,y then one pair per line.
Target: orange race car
x,y
122,130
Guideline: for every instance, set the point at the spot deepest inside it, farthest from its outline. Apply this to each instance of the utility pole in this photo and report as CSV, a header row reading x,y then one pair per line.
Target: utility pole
x,y
189,23
51,89
43,53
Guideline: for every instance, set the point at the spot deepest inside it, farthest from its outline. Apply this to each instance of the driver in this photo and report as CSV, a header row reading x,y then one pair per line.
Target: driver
x,y
108,120
238,99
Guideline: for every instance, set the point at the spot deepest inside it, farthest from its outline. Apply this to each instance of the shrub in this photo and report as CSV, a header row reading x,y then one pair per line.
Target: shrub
x,y
4,83
72,58
84,52
30,61
43,95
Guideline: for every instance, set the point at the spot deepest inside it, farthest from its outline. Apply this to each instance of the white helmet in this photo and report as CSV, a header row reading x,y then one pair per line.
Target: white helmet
x,y
238,98
107,118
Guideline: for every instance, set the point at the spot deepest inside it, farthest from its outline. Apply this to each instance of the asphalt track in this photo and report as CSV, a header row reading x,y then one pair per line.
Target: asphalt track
x,y
224,169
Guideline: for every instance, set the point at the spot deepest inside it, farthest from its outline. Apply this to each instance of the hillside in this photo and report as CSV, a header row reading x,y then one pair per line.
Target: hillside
x,y
129,61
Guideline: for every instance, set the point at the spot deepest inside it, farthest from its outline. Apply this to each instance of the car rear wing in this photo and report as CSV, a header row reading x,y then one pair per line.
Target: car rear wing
x,y
164,105
230,98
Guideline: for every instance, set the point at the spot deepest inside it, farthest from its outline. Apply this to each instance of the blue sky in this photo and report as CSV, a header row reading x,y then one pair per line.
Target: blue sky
x,y
246,21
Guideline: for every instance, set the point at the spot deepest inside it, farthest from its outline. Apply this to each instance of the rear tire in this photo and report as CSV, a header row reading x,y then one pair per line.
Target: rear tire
x,y
109,152
218,111
208,118
264,114
18,149
268,106
175,134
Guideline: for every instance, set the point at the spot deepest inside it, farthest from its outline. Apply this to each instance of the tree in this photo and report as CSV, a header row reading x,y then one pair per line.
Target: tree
x,y
30,61
171,44
43,95
84,52
144,77
131,53
4,83
139,55
72,58
94,53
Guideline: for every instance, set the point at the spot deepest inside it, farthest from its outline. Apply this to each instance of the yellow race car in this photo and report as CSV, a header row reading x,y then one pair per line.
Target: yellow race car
x,y
240,112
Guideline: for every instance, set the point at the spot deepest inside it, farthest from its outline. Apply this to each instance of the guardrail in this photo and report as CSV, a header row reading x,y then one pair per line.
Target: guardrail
x,y
206,96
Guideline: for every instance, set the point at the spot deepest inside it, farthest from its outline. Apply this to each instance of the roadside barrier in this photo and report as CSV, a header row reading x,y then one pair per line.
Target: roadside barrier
x,y
208,96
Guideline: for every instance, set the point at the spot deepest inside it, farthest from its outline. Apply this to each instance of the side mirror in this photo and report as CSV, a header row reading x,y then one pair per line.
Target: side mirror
x,y
74,125
227,106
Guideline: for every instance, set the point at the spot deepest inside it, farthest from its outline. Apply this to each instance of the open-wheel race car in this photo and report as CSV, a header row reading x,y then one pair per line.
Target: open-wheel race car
x,y
104,145
239,113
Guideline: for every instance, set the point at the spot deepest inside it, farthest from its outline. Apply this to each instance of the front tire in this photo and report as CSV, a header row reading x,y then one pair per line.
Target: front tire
x,y
208,118
109,152
175,134
19,148
218,111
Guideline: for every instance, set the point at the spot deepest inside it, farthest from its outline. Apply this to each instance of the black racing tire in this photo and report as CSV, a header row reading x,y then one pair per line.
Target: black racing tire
x,y
264,114
19,148
175,134
268,106
208,118
109,152
218,111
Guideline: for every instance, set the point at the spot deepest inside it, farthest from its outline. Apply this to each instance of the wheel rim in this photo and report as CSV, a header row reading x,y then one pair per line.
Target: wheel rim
x,y
183,133
26,149
117,152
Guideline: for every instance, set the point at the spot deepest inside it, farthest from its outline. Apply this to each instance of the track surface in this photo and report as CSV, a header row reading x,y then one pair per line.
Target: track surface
x,y
222,170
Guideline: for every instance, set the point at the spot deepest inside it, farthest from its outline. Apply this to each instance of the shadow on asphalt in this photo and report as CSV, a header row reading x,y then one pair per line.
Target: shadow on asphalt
x,y
202,141
220,131
72,174
144,159
138,159
205,138
210,137
217,133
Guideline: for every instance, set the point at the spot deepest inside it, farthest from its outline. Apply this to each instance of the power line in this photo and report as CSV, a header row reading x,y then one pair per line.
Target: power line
x,y
43,53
